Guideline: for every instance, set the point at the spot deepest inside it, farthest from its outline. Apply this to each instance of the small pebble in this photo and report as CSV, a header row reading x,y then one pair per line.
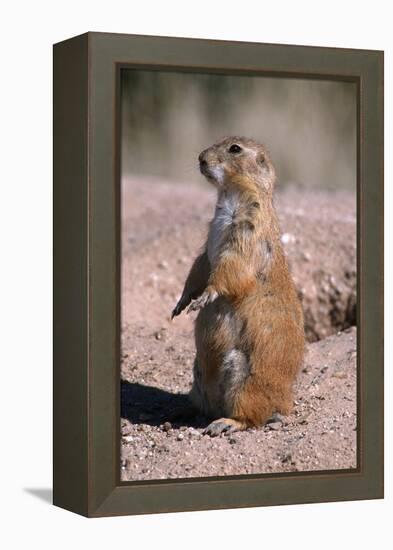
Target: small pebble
x,y
287,238
340,375
126,430
287,457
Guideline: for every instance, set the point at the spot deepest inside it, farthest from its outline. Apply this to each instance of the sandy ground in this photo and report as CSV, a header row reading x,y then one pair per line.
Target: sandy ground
x,y
164,226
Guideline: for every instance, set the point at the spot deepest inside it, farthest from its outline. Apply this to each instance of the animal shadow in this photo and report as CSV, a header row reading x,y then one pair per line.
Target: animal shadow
x,y
142,404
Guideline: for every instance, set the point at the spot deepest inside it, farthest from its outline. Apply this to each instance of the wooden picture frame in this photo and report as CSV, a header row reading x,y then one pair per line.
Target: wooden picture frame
x,y
86,273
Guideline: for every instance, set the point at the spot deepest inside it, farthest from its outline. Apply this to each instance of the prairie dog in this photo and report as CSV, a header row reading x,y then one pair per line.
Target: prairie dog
x,y
249,331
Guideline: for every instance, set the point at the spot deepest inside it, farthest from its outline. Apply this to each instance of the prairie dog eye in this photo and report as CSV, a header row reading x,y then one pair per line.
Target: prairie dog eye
x,y
235,149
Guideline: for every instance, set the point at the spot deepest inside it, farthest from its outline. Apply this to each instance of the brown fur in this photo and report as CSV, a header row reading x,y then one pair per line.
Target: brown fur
x,y
249,330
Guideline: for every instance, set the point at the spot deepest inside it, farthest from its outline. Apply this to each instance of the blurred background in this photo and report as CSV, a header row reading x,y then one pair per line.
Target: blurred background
x,y
309,126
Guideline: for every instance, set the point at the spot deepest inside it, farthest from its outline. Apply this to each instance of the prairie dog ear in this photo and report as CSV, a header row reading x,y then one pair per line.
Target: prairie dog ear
x,y
261,158
267,171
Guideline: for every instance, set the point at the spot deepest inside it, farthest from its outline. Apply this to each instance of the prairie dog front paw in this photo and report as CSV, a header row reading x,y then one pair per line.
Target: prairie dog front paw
x,y
208,296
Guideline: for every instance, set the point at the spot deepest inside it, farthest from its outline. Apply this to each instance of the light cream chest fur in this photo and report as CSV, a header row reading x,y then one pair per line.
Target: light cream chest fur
x,y
223,217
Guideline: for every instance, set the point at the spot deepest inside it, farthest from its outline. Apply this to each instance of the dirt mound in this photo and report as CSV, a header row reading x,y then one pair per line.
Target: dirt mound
x,y
319,235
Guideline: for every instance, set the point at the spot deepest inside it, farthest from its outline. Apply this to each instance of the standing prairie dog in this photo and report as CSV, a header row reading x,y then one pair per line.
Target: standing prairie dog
x,y
249,331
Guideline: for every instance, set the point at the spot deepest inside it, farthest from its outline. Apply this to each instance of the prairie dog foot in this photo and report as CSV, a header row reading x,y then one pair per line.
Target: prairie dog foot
x,y
207,297
275,417
224,425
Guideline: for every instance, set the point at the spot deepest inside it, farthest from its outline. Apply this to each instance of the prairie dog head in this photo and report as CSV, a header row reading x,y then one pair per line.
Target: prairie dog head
x,y
237,161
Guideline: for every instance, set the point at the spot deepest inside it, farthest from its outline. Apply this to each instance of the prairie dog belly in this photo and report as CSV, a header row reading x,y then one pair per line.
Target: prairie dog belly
x,y
222,367
223,218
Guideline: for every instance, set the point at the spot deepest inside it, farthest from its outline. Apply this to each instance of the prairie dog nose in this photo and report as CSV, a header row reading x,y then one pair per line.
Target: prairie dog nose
x,y
202,159
203,164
